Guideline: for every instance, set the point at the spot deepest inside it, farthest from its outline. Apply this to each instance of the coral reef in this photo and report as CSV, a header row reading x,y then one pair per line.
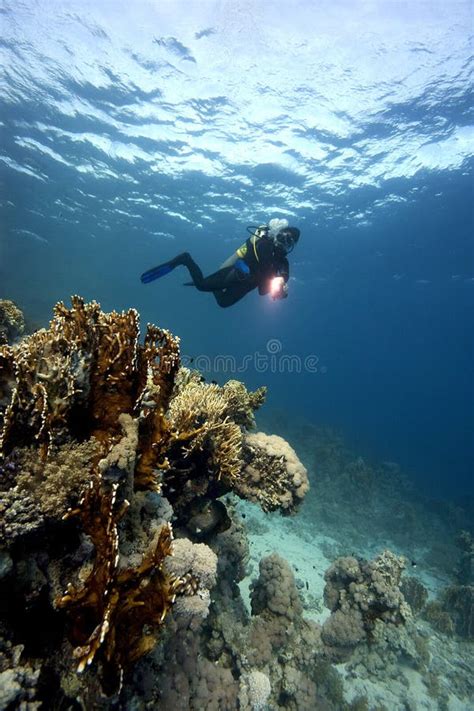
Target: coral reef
x,y
287,647
104,441
362,594
414,593
17,681
273,476
438,618
254,691
12,322
465,568
42,489
453,611
346,513
353,499
458,601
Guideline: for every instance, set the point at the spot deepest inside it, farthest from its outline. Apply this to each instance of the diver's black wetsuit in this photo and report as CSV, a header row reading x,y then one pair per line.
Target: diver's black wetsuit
x,y
262,261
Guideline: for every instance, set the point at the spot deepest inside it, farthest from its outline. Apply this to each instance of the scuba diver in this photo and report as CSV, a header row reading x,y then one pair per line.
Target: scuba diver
x,y
261,262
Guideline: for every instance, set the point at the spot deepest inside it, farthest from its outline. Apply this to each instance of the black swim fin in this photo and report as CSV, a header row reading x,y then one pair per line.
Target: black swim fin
x,y
157,272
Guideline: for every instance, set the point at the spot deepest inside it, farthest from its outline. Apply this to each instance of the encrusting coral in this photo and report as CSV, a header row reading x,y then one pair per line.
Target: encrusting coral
x,y
458,600
273,476
360,594
465,568
285,646
12,322
414,593
96,429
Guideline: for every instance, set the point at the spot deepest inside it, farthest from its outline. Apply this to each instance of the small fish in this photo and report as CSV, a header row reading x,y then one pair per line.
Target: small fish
x,y
244,515
307,585
214,382
413,563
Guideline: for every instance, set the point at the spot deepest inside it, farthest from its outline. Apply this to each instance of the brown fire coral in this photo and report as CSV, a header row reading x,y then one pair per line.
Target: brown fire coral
x,y
87,384
117,611
93,425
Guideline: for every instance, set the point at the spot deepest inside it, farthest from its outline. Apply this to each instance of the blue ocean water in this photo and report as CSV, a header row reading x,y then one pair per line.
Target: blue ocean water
x,y
134,131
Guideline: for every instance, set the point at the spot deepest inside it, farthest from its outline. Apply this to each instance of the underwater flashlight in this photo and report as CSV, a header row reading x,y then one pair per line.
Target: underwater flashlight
x,y
276,286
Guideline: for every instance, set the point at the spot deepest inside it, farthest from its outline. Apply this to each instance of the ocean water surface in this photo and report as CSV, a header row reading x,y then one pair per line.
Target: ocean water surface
x,y
134,131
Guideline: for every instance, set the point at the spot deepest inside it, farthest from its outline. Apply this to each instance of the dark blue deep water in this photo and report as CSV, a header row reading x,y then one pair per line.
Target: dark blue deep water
x,y
134,131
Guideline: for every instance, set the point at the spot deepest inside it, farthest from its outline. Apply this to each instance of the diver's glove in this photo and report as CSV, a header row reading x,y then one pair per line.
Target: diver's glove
x,y
278,288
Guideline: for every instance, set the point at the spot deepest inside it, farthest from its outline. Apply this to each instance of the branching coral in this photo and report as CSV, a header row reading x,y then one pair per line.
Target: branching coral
x,y
80,375
87,396
110,611
200,413
17,681
242,403
40,490
205,446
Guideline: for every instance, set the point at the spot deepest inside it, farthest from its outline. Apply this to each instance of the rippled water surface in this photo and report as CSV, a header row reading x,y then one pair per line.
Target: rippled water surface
x,y
134,130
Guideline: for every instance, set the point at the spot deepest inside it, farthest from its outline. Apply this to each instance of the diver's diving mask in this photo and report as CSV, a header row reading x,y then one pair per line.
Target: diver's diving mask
x,y
287,238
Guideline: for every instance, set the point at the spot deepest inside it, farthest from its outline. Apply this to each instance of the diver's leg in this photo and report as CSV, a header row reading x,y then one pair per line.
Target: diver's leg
x,y
232,294
194,270
216,281
181,260
167,267
221,279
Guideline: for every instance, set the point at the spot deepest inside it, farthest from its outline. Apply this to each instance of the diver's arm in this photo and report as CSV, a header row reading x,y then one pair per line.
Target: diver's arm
x,y
275,284
279,286
284,269
280,268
